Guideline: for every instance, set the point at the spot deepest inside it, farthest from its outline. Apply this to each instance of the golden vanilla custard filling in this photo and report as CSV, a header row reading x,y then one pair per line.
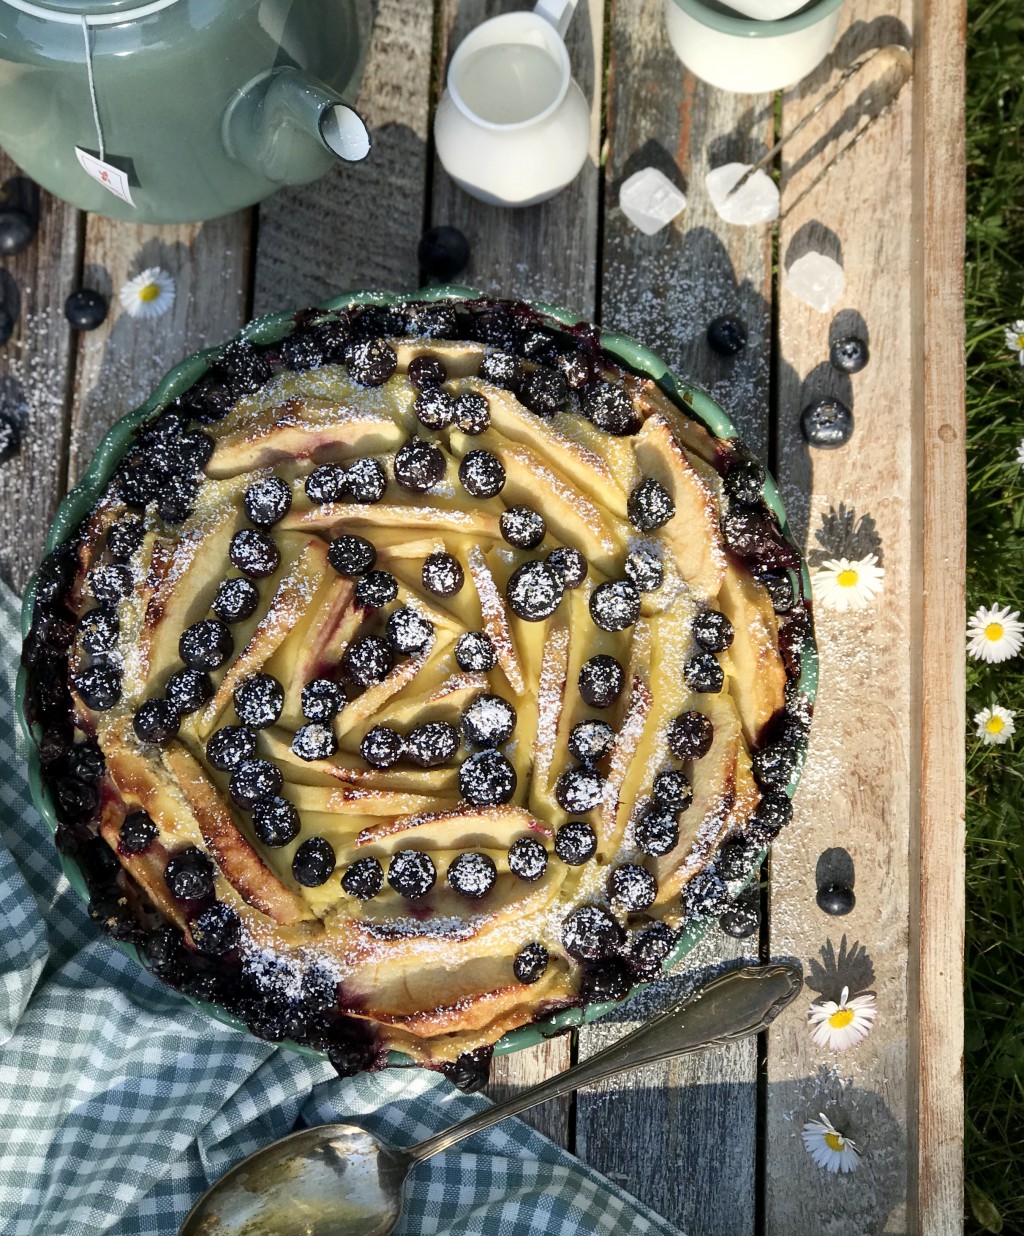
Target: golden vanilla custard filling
x,y
506,842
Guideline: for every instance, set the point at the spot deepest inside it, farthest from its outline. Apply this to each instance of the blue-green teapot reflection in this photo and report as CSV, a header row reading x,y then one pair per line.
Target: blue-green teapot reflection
x,y
179,110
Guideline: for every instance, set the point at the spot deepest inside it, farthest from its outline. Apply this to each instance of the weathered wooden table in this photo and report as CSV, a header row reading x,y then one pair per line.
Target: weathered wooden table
x,y
713,1144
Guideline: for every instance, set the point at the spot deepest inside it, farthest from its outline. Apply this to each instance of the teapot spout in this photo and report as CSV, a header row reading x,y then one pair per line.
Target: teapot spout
x,y
290,127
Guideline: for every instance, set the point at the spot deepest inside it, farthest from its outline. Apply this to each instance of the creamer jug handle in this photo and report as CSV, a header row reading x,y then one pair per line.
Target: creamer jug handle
x,y
557,12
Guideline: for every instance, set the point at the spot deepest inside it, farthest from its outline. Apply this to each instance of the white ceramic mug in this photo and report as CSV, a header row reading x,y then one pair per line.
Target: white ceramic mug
x,y
747,56
513,128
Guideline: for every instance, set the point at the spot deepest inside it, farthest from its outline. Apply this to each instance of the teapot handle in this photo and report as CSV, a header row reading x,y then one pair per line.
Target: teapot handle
x,y
557,12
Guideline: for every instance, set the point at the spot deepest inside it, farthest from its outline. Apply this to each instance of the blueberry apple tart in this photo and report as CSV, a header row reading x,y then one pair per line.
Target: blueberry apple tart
x,y
417,675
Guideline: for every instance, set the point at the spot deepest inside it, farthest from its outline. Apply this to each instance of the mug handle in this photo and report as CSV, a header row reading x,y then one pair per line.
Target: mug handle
x,y
557,12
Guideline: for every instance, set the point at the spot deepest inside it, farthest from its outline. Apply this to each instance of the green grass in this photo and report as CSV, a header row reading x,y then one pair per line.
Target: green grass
x,y
995,574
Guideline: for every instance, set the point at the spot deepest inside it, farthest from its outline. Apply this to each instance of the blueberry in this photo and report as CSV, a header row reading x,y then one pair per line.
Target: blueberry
x,y
774,765
530,962
741,920
322,699
419,466
188,689
125,537
313,862
443,574
657,830
85,309
836,899
86,761
99,629
77,799
381,747
736,859
534,591
366,481
705,894
259,699
328,483
650,505
773,813
156,721
727,335
443,252
376,589
611,409
254,553
275,821
569,565
408,632
372,362
615,605
189,875
364,878
474,652
590,741
472,874
314,741
527,859
215,930
522,527
482,474
230,746
849,355
136,833
366,661
206,645
712,630
644,567
487,779
590,933
426,371
489,721
690,736
502,369
601,681
245,367
236,599
605,981
10,435
579,790
827,424
744,482
575,843
411,873
537,343
471,1071
434,407
19,220
253,780
703,673
137,482
673,789
544,391
351,556
110,584
267,501
780,591
650,948
432,744
631,887
472,413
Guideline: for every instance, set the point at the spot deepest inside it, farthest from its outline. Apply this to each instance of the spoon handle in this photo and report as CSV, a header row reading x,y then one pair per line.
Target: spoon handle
x,y
734,1005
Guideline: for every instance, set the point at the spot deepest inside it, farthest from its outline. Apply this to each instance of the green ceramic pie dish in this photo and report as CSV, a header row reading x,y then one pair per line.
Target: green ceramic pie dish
x,y
270,329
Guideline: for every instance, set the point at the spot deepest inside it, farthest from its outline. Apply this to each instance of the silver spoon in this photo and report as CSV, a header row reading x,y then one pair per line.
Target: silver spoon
x,y
340,1180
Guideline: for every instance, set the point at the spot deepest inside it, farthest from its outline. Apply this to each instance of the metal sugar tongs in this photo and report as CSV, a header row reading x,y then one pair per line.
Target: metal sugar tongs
x,y
904,65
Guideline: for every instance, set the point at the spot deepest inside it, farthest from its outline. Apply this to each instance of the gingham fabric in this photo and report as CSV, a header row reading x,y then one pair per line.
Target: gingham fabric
x,y
120,1102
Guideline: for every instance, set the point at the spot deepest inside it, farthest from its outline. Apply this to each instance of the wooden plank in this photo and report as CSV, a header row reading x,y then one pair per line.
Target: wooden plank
x,y
544,252
654,1132
358,227
858,787
35,372
121,361
937,911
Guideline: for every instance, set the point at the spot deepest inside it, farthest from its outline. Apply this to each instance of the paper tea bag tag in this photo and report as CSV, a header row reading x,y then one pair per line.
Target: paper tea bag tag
x,y
105,174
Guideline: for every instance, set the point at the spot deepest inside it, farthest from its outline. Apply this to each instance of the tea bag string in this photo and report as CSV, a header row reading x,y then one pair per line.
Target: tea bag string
x,y
86,35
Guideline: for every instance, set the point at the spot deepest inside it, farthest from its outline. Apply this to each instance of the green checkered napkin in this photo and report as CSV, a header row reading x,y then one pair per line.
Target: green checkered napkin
x,y
120,1102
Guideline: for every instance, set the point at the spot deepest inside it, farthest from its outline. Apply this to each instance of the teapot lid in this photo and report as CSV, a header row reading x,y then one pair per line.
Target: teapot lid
x,y
94,12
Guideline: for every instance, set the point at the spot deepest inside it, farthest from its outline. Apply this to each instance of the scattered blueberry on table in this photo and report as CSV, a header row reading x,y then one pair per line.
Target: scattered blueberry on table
x,y
443,252
827,424
19,215
727,335
836,899
85,309
849,355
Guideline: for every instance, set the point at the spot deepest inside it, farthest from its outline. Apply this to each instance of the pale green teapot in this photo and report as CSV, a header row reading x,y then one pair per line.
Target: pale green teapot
x,y
173,111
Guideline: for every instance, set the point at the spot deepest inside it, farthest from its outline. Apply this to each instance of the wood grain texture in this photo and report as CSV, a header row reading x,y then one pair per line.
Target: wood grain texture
x,y
35,374
358,226
937,910
655,1133
121,362
544,252
857,791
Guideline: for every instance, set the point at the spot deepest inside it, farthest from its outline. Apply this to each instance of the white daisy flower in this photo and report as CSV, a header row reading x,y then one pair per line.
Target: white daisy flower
x,y
1015,338
1020,447
149,295
994,634
994,725
843,1024
841,585
828,1147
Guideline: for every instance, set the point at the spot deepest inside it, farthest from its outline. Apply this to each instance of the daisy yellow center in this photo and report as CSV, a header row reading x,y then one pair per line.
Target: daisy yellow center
x,y
1020,342
150,292
834,1141
994,631
995,725
840,1018
847,578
